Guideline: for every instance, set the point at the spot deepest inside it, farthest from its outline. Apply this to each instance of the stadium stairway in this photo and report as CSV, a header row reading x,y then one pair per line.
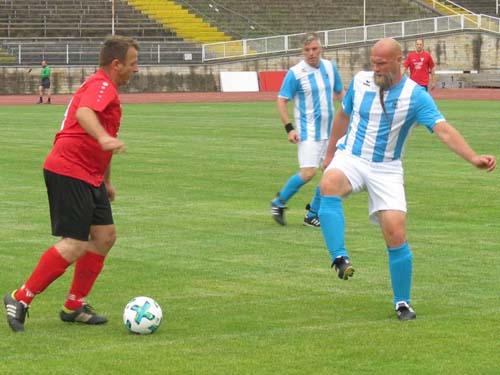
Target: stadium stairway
x,y
185,24
446,7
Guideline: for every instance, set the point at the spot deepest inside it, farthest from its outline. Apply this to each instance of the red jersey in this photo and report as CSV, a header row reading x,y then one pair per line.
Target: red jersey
x,y
75,153
420,65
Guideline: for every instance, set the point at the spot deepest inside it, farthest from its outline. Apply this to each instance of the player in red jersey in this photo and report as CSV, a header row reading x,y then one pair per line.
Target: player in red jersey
x,y
421,66
77,176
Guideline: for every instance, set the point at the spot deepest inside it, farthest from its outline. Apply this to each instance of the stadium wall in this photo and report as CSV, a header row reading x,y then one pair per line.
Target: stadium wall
x,y
461,51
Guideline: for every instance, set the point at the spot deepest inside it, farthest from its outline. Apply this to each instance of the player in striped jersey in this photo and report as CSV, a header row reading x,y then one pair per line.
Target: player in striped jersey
x,y
312,84
369,133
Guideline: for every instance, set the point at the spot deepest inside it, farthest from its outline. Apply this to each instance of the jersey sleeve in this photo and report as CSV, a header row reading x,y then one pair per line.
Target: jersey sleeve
x,y
98,95
289,86
407,62
347,103
338,86
427,111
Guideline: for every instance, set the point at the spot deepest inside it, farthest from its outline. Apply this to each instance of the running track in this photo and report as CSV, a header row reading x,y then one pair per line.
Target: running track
x,y
204,97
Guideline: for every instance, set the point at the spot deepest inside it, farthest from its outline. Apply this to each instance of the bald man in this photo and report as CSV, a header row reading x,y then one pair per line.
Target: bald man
x,y
368,137
421,66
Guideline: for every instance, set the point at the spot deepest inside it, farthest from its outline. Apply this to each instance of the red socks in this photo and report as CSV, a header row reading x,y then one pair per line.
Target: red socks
x,y
50,266
87,268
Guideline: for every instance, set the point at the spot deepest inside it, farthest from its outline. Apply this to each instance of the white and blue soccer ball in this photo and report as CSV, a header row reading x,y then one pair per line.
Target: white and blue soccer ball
x,y
142,315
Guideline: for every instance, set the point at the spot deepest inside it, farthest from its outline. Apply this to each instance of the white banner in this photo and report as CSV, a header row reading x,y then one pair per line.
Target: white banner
x,y
239,81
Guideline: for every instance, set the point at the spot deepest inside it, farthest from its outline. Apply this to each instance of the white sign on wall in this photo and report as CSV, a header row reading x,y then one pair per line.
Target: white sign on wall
x,y
239,81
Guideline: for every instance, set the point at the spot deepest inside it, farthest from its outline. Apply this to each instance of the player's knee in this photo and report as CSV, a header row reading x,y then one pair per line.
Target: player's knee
x,y
104,242
333,184
327,185
395,238
323,185
308,174
108,241
71,249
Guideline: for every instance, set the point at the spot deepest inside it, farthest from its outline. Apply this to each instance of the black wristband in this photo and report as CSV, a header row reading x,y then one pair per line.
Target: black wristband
x,y
289,127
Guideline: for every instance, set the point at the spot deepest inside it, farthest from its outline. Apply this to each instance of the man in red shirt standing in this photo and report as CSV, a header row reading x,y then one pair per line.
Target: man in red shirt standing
x,y
421,66
77,177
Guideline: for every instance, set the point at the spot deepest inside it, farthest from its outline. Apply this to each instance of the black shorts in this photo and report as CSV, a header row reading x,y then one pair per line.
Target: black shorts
x,y
75,206
45,83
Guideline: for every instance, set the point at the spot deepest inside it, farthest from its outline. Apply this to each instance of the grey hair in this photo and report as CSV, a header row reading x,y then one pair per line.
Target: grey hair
x,y
311,37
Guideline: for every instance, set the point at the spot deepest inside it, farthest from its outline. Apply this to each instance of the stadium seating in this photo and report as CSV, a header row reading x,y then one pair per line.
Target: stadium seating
x,y
163,27
6,57
257,18
479,6
75,18
82,24
187,25
240,19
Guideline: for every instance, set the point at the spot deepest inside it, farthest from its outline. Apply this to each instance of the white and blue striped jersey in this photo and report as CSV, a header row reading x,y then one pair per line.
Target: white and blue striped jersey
x,y
377,136
312,92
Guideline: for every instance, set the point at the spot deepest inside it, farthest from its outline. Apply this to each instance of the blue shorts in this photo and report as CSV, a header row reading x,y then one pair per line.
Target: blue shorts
x,y
45,83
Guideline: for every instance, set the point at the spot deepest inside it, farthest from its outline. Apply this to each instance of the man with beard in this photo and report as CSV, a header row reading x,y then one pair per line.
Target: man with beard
x,y
365,149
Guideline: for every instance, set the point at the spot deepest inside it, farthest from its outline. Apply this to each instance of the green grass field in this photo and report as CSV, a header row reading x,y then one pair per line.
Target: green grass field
x,y
240,294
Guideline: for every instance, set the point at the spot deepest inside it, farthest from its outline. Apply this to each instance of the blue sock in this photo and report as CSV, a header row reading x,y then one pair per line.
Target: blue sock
x,y
400,266
315,204
331,216
292,186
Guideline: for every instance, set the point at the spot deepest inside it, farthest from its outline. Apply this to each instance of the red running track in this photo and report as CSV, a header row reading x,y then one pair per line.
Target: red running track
x,y
206,97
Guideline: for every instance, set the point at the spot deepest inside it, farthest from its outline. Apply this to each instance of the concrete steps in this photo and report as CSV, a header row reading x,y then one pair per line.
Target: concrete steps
x,y
180,20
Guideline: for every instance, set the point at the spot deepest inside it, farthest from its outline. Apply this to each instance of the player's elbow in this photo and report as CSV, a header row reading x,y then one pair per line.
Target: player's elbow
x,y
444,131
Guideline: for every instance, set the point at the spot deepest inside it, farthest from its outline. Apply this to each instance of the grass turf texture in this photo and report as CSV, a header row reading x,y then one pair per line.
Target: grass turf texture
x,y
240,294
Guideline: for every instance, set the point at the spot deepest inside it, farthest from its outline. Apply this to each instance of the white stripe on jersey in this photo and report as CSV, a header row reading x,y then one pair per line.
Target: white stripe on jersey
x,y
378,136
399,116
313,102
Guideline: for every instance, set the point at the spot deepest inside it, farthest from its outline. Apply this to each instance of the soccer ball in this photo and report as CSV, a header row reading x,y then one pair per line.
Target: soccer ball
x,y
142,315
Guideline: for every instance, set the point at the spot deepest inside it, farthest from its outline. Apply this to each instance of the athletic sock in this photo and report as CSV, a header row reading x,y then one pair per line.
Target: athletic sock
x,y
292,186
315,203
87,269
331,216
400,267
50,267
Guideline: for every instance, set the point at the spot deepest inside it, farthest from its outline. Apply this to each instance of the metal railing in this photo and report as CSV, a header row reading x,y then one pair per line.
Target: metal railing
x,y
73,52
362,34
69,52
